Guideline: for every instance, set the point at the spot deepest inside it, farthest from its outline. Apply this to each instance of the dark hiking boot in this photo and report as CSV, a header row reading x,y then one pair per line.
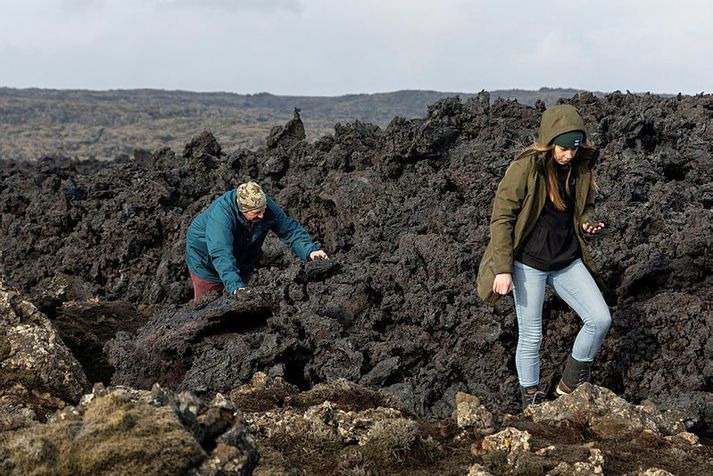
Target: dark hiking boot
x,y
575,374
531,396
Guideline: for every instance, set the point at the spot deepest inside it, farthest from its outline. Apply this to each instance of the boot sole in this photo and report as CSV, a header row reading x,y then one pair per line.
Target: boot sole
x,y
561,390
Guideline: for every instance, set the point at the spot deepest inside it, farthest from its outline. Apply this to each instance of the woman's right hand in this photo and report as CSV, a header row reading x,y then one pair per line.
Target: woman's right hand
x,y
503,283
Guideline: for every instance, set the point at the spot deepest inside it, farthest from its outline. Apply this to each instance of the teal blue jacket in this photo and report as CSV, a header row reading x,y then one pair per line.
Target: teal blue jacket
x,y
220,247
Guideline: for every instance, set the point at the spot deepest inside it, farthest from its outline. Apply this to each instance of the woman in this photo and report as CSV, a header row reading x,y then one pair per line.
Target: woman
x,y
225,241
543,206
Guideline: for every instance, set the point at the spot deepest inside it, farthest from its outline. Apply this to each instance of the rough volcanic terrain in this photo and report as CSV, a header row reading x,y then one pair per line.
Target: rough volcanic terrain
x,y
404,212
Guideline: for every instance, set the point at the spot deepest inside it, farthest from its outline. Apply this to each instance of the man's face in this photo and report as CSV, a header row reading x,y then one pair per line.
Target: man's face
x,y
255,215
563,155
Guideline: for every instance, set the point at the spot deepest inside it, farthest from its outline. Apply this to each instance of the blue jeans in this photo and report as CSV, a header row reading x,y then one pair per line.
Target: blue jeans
x,y
577,288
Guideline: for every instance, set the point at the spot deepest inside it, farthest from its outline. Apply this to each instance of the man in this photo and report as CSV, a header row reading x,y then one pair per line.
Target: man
x,y
225,241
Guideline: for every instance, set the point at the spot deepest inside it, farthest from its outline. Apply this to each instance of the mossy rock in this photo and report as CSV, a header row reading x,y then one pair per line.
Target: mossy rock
x,y
117,436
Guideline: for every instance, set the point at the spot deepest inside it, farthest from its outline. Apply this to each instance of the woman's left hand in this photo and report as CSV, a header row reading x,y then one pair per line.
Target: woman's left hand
x,y
591,229
315,255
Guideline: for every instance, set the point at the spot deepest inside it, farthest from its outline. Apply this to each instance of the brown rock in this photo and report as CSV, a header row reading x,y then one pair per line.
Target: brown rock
x,y
469,413
510,440
592,466
605,414
38,374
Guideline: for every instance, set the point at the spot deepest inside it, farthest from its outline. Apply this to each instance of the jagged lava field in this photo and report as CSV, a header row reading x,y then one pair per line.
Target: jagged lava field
x,y
381,360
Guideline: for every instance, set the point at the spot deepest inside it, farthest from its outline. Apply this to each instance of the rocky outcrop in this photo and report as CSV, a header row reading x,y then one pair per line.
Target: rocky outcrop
x,y
338,427
207,347
606,415
122,431
38,373
85,326
470,413
404,212
271,427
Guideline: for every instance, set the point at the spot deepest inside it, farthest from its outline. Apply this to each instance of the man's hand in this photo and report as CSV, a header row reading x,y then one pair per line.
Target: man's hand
x,y
502,284
319,254
592,229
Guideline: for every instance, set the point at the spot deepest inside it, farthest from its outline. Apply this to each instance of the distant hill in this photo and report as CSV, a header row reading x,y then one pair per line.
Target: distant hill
x,y
107,124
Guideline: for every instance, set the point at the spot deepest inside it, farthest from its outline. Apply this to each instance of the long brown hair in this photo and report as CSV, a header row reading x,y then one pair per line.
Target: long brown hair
x,y
553,190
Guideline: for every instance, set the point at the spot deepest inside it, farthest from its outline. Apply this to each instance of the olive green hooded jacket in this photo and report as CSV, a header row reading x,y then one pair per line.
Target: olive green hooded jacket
x,y
522,193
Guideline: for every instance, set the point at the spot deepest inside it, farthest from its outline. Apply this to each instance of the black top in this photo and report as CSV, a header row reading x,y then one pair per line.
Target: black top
x,y
551,245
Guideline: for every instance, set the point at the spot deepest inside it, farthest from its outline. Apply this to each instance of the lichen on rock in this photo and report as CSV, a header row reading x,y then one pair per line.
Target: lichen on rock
x,y
605,414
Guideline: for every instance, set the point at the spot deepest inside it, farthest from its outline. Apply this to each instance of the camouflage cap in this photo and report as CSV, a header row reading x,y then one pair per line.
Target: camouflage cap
x,y
250,197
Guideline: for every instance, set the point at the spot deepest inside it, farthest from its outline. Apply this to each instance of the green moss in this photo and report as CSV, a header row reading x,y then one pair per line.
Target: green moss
x,y
347,395
28,378
117,436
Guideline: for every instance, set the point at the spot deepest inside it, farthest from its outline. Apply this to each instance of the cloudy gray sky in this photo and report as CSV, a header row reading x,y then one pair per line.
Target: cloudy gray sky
x,y
332,47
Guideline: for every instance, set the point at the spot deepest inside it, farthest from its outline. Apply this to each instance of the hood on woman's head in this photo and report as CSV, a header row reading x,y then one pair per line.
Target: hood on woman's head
x,y
558,120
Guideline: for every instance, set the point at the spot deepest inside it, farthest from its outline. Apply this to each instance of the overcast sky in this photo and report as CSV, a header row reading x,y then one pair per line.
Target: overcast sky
x,y
332,47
